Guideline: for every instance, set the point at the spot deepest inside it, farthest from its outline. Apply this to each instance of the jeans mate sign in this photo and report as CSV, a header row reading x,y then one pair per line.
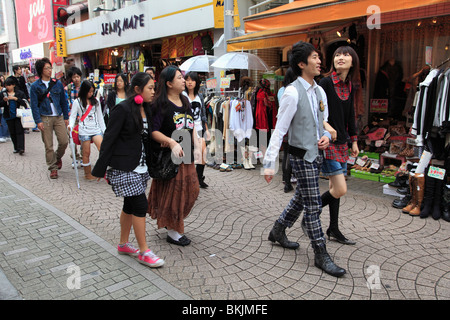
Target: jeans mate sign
x,y
121,25
34,21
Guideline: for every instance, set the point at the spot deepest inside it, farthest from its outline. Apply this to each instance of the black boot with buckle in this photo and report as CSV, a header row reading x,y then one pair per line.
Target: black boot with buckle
x,y
323,261
278,233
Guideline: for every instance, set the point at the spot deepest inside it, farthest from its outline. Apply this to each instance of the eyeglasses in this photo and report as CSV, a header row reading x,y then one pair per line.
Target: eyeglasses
x,y
48,68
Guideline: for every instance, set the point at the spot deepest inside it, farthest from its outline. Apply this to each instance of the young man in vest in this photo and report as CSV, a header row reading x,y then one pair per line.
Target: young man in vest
x,y
51,114
303,109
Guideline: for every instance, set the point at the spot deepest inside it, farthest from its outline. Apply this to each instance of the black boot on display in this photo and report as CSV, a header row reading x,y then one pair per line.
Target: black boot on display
x,y
400,203
430,185
400,181
436,213
278,233
323,261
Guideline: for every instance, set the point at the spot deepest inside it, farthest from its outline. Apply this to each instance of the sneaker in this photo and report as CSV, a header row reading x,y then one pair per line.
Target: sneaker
x,y
128,249
150,259
2,140
54,174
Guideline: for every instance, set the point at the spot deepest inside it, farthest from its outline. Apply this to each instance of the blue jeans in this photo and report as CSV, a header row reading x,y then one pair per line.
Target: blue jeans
x,y
4,132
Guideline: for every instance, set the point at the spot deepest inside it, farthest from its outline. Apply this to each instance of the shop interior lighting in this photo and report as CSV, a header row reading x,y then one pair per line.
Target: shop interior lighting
x,y
98,9
341,32
419,23
434,20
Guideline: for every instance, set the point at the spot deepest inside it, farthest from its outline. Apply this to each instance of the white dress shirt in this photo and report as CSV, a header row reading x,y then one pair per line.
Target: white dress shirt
x,y
286,112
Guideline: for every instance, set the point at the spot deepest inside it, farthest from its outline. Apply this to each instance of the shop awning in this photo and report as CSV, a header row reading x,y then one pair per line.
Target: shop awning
x,y
305,12
281,37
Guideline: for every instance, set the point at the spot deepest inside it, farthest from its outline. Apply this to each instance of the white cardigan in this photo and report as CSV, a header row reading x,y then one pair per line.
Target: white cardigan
x,y
93,124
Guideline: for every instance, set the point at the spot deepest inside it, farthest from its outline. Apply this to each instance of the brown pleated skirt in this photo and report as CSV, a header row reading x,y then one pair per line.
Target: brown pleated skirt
x,y
171,201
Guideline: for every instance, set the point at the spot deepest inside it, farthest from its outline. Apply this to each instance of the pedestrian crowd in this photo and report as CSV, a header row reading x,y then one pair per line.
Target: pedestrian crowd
x,y
144,120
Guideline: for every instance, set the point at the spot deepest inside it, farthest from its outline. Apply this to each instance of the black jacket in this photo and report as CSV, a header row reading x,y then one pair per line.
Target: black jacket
x,y
122,142
4,104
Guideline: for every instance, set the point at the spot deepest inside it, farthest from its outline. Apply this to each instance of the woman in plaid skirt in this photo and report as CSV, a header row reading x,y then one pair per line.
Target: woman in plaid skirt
x,y
338,87
123,155
170,201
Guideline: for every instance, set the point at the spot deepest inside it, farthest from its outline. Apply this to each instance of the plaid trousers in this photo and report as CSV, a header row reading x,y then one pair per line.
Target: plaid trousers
x,y
306,198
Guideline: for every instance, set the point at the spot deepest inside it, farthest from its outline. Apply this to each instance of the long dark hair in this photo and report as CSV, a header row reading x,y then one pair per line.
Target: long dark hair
x,y
194,77
125,81
353,74
161,100
85,87
139,80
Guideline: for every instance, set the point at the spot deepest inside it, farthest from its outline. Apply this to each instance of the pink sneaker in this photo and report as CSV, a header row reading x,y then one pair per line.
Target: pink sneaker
x,y
128,249
150,259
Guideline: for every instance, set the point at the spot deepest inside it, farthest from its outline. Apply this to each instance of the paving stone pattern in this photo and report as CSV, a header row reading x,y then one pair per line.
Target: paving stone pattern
x,y
47,226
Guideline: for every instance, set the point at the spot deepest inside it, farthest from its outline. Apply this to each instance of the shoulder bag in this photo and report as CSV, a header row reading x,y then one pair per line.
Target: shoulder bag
x,y
75,135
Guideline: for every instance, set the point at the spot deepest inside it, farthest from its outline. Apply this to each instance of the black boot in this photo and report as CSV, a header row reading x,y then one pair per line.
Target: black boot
x,y
436,213
278,234
333,232
322,260
446,203
400,203
201,178
400,181
430,185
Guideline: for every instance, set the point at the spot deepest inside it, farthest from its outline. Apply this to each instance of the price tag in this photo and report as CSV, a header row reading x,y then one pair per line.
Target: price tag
x,y
360,162
258,155
351,160
435,172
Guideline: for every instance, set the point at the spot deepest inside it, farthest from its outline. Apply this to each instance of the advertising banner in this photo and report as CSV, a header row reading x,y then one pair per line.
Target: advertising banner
x,y
34,21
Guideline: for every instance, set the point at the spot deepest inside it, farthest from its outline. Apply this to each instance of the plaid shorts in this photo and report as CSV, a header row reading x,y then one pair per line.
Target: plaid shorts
x,y
127,184
306,197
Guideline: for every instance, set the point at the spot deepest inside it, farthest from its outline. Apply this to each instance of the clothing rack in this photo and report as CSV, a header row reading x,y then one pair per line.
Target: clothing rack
x,y
442,63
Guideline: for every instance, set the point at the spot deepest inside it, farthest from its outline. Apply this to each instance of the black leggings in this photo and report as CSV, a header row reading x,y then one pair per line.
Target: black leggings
x,y
135,205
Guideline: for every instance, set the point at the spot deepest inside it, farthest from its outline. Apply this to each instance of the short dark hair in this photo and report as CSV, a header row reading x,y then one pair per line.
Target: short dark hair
x,y
10,81
40,64
300,53
15,68
72,71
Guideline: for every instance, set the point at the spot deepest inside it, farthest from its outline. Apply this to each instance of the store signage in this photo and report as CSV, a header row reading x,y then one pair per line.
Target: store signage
x,y
26,54
121,25
109,78
61,48
34,21
379,105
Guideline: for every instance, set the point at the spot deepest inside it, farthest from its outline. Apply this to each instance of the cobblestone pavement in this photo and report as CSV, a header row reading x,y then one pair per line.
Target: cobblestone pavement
x,y
50,230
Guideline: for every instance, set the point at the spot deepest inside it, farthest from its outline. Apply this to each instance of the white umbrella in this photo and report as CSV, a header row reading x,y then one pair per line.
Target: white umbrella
x,y
240,60
200,63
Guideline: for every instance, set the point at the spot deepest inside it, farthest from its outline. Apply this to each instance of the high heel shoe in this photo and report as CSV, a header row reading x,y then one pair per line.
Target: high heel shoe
x,y
339,237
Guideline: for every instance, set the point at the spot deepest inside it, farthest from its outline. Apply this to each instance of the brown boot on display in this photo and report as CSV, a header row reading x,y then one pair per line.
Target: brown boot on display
x,y
412,189
420,189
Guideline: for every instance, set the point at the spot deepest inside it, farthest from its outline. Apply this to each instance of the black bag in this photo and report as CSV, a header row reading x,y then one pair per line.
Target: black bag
x,y
161,165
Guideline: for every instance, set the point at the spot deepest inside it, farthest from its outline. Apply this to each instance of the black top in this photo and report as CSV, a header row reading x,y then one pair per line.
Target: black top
x,y
341,113
122,142
171,122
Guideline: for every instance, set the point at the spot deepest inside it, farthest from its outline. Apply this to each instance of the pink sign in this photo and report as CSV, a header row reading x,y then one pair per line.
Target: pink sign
x,y
34,21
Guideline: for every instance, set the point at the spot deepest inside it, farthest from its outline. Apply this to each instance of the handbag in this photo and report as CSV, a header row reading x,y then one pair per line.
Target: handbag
x,y
75,135
161,165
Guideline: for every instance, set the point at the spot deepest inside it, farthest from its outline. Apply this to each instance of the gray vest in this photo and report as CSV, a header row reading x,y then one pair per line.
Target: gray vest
x,y
303,130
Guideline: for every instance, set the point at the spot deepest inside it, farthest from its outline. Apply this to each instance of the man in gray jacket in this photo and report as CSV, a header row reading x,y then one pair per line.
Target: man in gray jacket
x,y
303,109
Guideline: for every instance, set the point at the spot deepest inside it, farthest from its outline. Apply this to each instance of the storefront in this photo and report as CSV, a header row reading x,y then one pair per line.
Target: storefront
x,y
397,39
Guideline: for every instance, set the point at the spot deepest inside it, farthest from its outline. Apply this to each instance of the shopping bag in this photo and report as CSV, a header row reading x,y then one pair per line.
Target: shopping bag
x,y
27,119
